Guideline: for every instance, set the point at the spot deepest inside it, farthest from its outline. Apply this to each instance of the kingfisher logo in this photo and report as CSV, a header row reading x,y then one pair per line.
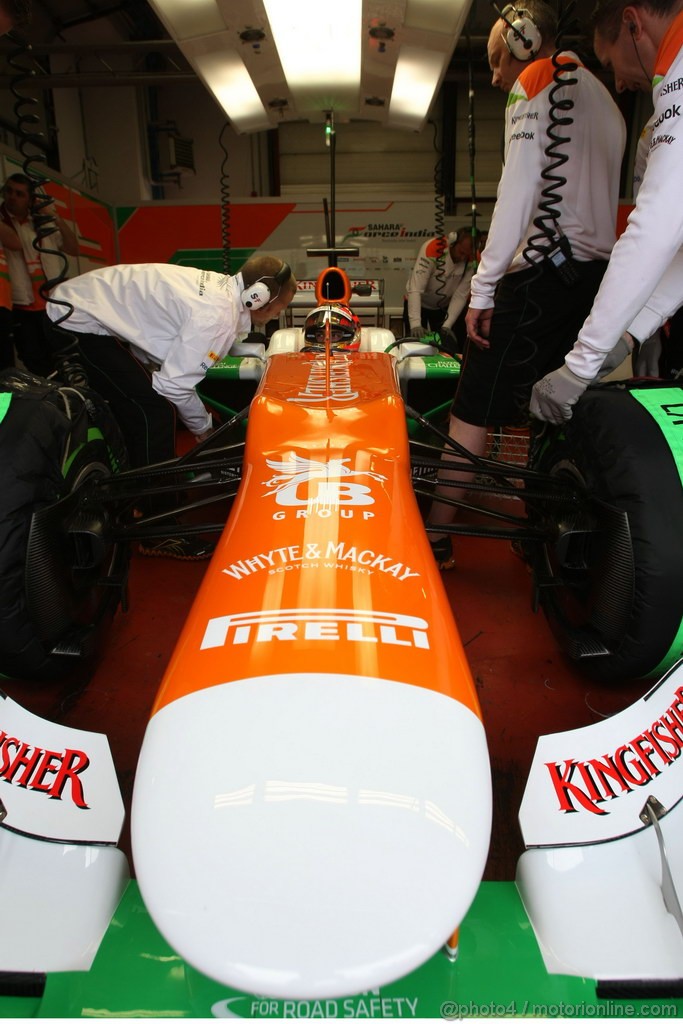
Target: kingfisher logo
x,y
52,772
307,624
589,784
318,486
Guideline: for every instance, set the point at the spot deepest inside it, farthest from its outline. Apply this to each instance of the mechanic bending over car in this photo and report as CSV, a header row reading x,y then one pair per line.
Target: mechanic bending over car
x,y
146,334
642,43
439,287
524,311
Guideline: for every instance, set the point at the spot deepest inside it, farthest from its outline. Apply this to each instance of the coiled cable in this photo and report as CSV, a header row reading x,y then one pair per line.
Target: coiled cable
x,y
439,227
548,235
226,238
33,147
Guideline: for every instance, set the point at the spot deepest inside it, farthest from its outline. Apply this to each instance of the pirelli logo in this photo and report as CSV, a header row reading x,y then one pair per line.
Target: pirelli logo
x,y
331,624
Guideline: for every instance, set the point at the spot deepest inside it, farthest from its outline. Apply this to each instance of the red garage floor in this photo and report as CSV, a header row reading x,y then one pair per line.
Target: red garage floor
x,y
525,685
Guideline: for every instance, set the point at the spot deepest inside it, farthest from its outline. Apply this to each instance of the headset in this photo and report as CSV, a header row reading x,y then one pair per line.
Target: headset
x,y
523,38
258,295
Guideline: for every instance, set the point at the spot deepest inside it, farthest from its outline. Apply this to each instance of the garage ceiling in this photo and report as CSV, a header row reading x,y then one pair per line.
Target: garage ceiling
x,y
83,43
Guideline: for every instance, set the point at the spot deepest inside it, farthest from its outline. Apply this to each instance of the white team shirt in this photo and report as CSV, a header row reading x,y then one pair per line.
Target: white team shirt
x,y
181,318
437,284
643,284
590,196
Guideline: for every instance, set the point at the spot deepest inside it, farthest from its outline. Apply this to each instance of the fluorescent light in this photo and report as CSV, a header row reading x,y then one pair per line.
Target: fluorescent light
x,y
418,73
318,41
186,20
224,73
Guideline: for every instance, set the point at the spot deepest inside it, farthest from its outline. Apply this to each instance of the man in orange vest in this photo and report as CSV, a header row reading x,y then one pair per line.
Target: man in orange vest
x,y
32,271
12,12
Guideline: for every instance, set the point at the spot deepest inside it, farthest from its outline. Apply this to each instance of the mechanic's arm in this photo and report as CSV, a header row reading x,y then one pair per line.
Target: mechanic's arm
x,y
68,242
518,195
416,287
645,266
185,366
643,270
663,303
458,299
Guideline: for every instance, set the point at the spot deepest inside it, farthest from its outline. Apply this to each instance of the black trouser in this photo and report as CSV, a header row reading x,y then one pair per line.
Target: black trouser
x,y
6,339
147,420
430,318
29,340
433,319
535,322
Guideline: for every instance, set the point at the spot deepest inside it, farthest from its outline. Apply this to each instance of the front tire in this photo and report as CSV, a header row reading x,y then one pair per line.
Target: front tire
x,y
611,584
61,577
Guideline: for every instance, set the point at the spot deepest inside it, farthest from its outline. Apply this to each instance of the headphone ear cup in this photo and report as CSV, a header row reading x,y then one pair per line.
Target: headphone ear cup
x,y
257,296
525,45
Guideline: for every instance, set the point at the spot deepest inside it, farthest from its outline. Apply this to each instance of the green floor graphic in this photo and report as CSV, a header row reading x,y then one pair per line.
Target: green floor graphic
x,y
499,973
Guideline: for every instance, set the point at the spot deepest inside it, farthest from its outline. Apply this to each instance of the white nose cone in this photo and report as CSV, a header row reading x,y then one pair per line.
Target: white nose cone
x,y
304,836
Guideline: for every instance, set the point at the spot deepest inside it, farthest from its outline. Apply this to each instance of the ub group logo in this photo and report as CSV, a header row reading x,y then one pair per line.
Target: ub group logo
x,y
316,487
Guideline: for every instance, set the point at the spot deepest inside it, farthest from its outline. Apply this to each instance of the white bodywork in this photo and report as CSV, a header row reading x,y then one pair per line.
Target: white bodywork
x,y
595,886
598,911
346,829
61,880
57,902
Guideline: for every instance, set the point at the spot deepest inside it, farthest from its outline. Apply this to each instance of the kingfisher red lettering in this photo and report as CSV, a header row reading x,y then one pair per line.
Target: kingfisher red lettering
x,y
55,773
585,785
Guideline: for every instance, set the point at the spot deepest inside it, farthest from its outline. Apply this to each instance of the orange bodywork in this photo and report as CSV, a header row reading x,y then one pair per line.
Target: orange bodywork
x,y
324,565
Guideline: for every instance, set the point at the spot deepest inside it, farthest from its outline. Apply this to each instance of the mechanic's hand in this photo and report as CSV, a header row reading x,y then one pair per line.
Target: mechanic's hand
x,y
418,332
616,355
478,324
203,437
553,396
649,354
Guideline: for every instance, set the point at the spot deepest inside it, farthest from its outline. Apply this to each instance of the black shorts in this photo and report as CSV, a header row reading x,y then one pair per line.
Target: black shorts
x,y
535,323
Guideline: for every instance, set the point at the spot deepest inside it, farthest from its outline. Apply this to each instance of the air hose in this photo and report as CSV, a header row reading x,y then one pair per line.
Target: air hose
x,y
548,242
471,140
439,226
549,232
226,238
33,146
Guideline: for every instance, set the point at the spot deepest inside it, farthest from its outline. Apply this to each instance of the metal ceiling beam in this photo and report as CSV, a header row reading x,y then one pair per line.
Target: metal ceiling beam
x,y
95,81
92,49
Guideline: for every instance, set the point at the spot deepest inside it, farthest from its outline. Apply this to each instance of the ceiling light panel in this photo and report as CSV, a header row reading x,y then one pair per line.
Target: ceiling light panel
x,y
418,74
378,60
186,19
223,71
299,59
319,46
443,17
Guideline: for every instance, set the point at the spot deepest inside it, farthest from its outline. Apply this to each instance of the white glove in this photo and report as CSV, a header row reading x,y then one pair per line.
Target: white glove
x,y
616,356
552,397
647,360
418,332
